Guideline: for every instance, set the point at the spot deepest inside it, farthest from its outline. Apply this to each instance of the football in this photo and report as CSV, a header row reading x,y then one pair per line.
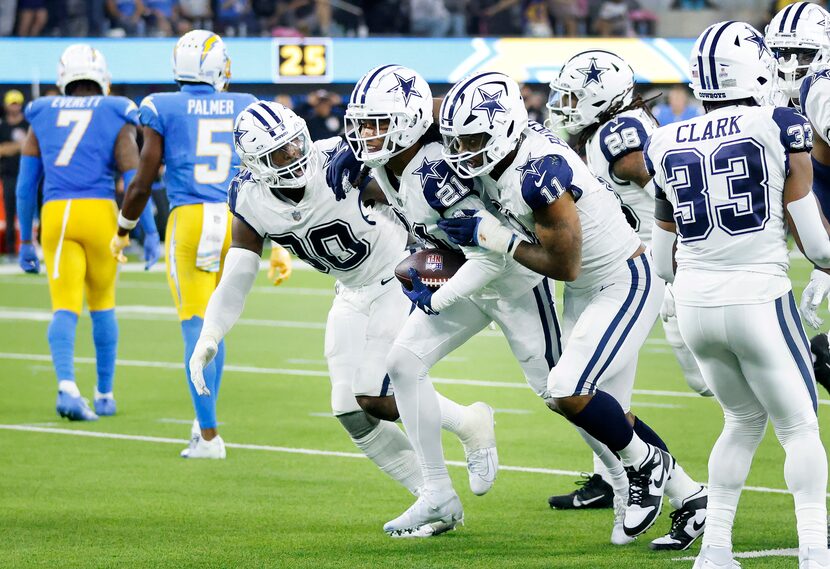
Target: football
x,y
435,266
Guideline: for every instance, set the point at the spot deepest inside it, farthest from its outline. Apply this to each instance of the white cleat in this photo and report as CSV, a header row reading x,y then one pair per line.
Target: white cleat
x,y
195,435
618,535
480,447
430,515
214,448
813,558
715,558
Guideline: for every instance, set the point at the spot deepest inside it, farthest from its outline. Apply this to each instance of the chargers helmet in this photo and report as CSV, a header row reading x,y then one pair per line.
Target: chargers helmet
x,y
799,37
82,62
482,118
588,84
200,57
389,109
273,143
731,61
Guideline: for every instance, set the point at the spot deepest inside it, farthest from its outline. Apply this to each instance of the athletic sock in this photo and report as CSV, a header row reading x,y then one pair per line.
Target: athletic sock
x,y
604,419
205,405
612,469
647,435
387,446
69,387
452,415
61,336
105,337
680,487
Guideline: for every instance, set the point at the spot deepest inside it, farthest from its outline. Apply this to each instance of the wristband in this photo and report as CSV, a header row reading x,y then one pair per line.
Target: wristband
x,y
124,223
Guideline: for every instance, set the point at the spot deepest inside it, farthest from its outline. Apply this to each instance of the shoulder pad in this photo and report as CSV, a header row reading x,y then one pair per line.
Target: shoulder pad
x,y
795,132
620,136
237,182
544,179
808,83
442,187
33,108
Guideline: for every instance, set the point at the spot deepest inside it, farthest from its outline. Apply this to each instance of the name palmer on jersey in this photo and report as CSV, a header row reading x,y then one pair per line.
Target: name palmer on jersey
x,y
543,170
429,190
612,141
355,244
726,190
210,107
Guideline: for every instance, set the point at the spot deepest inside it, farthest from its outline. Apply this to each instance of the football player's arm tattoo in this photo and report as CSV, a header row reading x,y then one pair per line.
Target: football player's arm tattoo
x,y
140,189
632,168
244,237
559,252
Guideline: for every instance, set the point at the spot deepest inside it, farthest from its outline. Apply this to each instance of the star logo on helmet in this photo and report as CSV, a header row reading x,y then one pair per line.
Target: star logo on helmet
x,y
331,153
237,136
407,88
530,168
758,41
490,103
593,73
428,170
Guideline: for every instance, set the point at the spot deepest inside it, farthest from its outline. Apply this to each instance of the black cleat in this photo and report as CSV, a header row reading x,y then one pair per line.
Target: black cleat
x,y
687,525
646,485
593,493
820,348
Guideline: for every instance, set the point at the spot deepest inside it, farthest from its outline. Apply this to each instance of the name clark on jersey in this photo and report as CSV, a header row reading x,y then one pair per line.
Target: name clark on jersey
x,y
210,107
722,127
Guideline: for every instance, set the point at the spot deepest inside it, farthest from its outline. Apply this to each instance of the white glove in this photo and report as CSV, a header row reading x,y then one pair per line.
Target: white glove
x,y
667,308
203,354
816,291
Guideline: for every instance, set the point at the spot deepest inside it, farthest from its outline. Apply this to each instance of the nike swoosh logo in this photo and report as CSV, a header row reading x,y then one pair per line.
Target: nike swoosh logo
x,y
602,288
578,502
541,180
615,127
698,526
386,281
659,483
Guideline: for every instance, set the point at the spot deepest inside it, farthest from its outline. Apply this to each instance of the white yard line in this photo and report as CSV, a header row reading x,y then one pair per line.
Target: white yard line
x,y
306,451
753,554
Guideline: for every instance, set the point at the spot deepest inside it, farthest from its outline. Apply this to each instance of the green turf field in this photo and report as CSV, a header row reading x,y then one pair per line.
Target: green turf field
x,y
72,500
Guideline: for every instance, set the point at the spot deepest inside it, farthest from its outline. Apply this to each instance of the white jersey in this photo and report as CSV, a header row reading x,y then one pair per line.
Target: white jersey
x,y
429,190
543,169
355,244
815,102
724,174
625,133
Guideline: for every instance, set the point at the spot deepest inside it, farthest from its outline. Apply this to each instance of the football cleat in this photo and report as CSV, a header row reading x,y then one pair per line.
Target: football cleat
x,y
195,435
214,448
687,525
618,535
646,485
428,510
713,558
74,408
480,447
813,558
821,359
104,406
593,492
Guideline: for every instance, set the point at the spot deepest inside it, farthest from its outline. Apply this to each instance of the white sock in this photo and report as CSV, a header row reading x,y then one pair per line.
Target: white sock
x,y
452,415
420,413
635,453
69,387
612,469
680,487
99,395
387,446
195,430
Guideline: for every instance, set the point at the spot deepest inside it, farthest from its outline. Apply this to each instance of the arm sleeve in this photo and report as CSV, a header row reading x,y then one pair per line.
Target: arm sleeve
x,y
228,300
814,238
31,170
662,251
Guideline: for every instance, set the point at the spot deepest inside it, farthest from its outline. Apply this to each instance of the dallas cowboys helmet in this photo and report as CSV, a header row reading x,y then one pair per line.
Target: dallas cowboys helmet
x,y
274,145
482,118
799,37
730,61
389,110
587,85
82,62
200,57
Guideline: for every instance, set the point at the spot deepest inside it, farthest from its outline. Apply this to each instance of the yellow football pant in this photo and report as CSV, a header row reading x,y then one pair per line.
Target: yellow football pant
x,y
76,236
191,287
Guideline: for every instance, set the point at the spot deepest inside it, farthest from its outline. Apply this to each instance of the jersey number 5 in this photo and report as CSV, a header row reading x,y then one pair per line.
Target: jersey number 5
x,y
79,121
207,147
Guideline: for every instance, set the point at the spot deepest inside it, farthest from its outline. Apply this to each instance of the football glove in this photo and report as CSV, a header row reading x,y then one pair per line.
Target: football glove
x,y
343,171
480,228
667,308
814,294
821,359
203,353
420,295
280,268
152,249
27,259
117,246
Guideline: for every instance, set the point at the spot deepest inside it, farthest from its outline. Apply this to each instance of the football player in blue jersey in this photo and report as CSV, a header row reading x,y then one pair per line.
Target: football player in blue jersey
x,y
191,132
77,142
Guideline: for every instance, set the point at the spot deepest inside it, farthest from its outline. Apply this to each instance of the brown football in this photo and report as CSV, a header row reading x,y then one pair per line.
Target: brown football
x,y
435,267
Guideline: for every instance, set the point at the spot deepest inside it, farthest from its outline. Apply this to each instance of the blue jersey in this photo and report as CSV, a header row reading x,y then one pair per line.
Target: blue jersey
x,y
197,126
77,143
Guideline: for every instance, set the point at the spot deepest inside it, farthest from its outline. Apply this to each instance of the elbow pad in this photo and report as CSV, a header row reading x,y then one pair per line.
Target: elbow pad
x,y
815,242
228,300
662,252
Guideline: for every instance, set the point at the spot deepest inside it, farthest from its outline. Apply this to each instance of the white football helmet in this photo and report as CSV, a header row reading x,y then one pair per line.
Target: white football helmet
x,y
589,84
81,62
799,37
482,118
389,110
200,57
731,61
274,145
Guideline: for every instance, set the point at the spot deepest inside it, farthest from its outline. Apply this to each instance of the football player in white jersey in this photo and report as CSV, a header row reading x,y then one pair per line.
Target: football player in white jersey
x,y
567,225
281,194
390,129
728,184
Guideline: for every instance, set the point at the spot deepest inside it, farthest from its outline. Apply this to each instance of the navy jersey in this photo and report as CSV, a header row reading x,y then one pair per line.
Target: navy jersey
x,y
77,143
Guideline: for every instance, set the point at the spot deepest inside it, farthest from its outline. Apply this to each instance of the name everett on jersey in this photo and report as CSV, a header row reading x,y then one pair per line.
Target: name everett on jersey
x,y
75,102
210,107
722,127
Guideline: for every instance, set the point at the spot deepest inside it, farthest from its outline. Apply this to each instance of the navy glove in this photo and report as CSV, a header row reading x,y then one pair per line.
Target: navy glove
x,y
344,164
420,295
152,249
462,229
28,258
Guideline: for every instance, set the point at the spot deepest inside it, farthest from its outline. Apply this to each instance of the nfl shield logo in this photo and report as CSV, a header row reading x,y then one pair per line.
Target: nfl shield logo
x,y
296,215
434,262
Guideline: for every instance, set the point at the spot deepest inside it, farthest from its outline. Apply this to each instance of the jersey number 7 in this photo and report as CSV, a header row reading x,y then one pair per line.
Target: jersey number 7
x,y
79,121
